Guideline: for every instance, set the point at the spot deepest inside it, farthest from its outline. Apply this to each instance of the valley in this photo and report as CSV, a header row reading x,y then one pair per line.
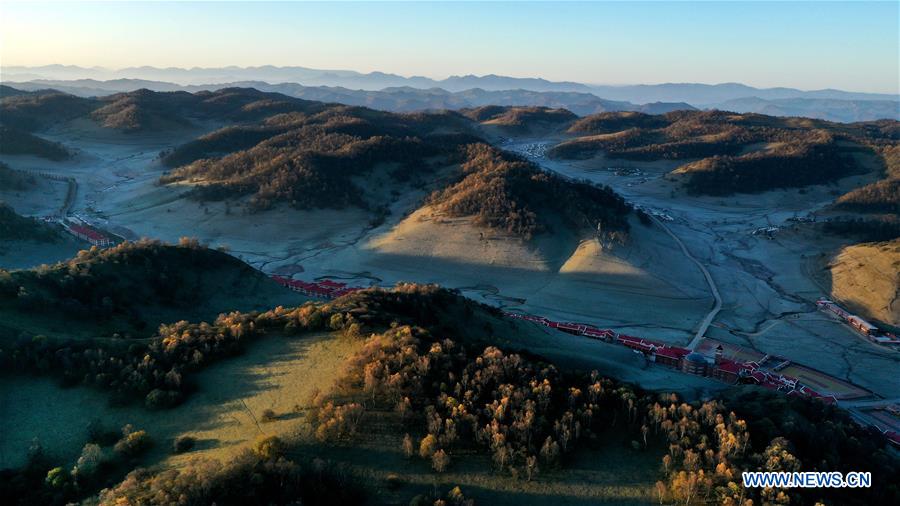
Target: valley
x,y
613,243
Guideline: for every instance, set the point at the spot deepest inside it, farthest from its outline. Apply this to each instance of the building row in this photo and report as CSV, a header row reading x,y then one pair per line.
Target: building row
x,y
325,289
858,323
691,362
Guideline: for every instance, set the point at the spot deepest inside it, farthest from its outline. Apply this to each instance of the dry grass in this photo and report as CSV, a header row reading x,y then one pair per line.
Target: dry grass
x,y
224,415
866,277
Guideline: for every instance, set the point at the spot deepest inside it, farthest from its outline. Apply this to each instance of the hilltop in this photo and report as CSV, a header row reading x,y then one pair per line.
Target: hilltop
x,y
311,160
35,111
129,289
144,110
508,193
521,120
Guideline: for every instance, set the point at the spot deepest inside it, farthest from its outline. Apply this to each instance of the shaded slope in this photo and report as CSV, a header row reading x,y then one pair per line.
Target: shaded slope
x,y
19,142
130,288
14,227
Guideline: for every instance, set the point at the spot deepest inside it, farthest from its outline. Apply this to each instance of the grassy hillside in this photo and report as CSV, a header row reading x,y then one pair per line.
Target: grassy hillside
x,y
129,289
866,277
18,142
727,153
14,227
506,192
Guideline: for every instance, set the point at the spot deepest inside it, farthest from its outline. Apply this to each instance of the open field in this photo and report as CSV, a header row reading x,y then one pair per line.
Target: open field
x,y
224,414
866,279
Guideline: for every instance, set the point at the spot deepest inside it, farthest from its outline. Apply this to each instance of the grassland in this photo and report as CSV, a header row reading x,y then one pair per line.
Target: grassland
x,y
866,278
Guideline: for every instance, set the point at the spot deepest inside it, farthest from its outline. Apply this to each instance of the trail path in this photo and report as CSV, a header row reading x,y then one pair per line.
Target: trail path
x,y
71,192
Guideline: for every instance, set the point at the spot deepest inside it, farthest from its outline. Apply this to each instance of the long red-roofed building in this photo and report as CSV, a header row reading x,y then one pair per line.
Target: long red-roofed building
x,y
89,234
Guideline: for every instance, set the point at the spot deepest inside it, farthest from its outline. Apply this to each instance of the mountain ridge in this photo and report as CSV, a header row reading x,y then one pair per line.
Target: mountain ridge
x,y
380,90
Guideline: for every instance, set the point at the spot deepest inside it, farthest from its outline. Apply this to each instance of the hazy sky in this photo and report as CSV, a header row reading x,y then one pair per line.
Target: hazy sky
x,y
808,45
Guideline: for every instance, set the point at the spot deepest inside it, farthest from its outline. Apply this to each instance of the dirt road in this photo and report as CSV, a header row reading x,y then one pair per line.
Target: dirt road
x,y
701,331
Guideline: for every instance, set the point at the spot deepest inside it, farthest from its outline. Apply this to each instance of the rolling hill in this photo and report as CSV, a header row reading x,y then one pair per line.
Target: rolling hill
x,y
724,153
521,120
129,289
18,142
144,110
316,161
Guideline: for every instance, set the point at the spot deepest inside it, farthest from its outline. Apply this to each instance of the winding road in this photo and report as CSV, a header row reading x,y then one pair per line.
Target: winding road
x,y
704,324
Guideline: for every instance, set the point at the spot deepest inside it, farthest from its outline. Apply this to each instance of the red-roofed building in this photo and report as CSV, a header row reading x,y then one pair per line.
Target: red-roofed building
x,y
670,356
727,370
90,235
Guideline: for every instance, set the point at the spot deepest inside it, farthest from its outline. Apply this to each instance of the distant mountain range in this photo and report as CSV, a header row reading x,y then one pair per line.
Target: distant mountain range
x,y
398,93
395,99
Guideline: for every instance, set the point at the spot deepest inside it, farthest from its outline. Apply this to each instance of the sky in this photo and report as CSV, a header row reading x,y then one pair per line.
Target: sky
x,y
809,45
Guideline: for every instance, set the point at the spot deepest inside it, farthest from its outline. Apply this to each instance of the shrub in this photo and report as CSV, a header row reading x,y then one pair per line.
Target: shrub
x,y
268,416
133,442
269,448
440,460
183,444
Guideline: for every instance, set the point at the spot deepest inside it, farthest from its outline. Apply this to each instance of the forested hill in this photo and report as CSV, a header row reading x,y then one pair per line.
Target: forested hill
x,y
311,160
145,110
723,153
14,226
130,289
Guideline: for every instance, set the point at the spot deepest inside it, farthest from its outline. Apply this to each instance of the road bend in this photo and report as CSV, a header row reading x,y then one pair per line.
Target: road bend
x,y
704,325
